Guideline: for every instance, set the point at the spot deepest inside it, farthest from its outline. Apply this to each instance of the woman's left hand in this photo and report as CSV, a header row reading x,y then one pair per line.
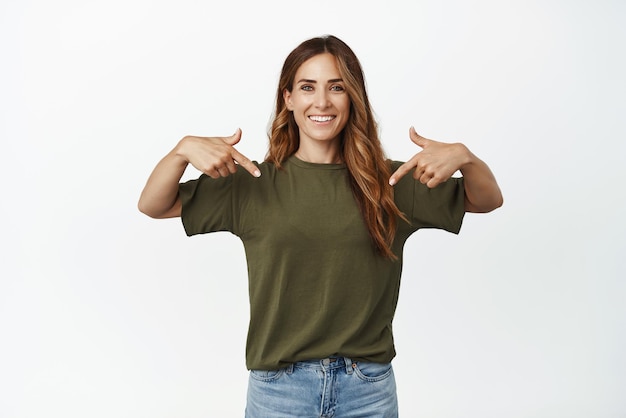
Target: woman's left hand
x,y
436,163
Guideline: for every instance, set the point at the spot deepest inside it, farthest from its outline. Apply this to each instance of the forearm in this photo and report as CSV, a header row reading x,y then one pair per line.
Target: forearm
x,y
159,198
482,193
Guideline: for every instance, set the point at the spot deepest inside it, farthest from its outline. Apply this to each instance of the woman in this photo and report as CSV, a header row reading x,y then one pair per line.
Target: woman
x,y
323,221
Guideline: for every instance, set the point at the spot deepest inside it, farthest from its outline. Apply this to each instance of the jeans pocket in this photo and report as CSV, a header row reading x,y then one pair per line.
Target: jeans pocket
x,y
266,375
372,372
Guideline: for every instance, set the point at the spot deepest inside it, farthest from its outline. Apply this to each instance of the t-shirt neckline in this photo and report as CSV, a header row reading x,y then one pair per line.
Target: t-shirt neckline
x,y
319,166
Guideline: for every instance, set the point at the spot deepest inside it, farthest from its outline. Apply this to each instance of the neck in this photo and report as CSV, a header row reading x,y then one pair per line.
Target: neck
x,y
319,155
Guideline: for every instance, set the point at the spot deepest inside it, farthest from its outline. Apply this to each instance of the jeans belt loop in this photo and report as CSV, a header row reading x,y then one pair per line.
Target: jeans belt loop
x,y
348,364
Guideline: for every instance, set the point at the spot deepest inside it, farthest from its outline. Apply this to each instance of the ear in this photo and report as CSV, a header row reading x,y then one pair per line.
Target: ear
x,y
287,98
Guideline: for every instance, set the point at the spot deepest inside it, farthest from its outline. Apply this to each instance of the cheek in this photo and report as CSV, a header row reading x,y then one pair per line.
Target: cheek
x,y
344,105
298,118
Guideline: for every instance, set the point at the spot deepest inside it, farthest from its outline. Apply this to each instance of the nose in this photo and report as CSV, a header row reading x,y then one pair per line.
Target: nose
x,y
322,99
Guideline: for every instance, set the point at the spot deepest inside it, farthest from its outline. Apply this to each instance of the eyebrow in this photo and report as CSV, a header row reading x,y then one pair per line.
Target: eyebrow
x,y
333,80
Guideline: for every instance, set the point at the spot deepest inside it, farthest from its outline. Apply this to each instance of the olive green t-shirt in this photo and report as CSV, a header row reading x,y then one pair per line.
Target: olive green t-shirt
x,y
317,287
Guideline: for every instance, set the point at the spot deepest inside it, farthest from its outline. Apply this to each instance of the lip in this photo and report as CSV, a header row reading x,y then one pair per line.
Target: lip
x,y
322,118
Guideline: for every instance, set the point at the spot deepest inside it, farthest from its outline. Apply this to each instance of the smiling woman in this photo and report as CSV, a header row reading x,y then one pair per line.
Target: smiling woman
x,y
320,107
323,221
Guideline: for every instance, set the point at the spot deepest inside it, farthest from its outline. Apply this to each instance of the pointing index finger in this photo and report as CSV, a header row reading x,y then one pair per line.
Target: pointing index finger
x,y
400,172
245,162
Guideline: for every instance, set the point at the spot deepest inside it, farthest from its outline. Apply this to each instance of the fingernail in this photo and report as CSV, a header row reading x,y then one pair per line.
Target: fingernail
x,y
392,181
257,173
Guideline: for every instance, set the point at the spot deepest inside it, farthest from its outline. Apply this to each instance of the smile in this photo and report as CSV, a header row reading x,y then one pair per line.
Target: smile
x,y
321,118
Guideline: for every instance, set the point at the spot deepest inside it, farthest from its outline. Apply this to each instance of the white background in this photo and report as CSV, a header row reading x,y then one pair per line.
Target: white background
x,y
107,313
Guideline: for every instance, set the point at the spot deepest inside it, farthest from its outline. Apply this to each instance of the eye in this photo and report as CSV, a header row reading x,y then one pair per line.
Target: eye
x,y
306,87
337,87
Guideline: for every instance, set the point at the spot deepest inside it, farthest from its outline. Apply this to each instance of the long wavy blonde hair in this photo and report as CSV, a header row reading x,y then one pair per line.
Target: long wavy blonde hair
x,y
361,150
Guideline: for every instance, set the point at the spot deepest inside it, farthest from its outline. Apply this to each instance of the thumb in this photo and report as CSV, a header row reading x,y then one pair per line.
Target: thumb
x,y
234,138
417,138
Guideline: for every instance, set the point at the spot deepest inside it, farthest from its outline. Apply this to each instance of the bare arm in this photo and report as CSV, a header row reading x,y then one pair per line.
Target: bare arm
x,y
214,156
482,193
438,161
159,198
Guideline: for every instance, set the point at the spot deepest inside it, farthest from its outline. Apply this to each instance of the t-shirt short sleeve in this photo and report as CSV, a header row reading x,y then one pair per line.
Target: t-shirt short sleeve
x,y
440,207
207,204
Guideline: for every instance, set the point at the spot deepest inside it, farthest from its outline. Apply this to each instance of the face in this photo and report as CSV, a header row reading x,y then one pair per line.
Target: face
x,y
319,100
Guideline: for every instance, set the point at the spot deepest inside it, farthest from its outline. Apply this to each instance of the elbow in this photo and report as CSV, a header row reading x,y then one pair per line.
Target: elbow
x,y
500,202
497,203
160,211
148,210
484,206
145,209
490,201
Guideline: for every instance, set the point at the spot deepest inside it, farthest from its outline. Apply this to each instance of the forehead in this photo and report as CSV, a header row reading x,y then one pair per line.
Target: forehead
x,y
319,67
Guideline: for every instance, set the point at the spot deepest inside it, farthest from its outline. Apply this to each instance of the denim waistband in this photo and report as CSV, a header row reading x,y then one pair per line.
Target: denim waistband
x,y
329,363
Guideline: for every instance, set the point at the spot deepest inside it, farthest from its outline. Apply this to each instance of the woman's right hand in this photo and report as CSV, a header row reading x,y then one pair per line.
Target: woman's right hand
x,y
215,156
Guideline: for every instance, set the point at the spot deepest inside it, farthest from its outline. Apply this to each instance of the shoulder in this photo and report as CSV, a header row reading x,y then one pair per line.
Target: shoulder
x,y
394,164
266,167
242,180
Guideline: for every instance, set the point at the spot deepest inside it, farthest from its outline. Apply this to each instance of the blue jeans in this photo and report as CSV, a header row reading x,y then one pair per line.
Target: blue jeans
x,y
335,387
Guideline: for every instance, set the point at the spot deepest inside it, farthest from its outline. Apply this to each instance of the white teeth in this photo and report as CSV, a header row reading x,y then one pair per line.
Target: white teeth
x,y
321,118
